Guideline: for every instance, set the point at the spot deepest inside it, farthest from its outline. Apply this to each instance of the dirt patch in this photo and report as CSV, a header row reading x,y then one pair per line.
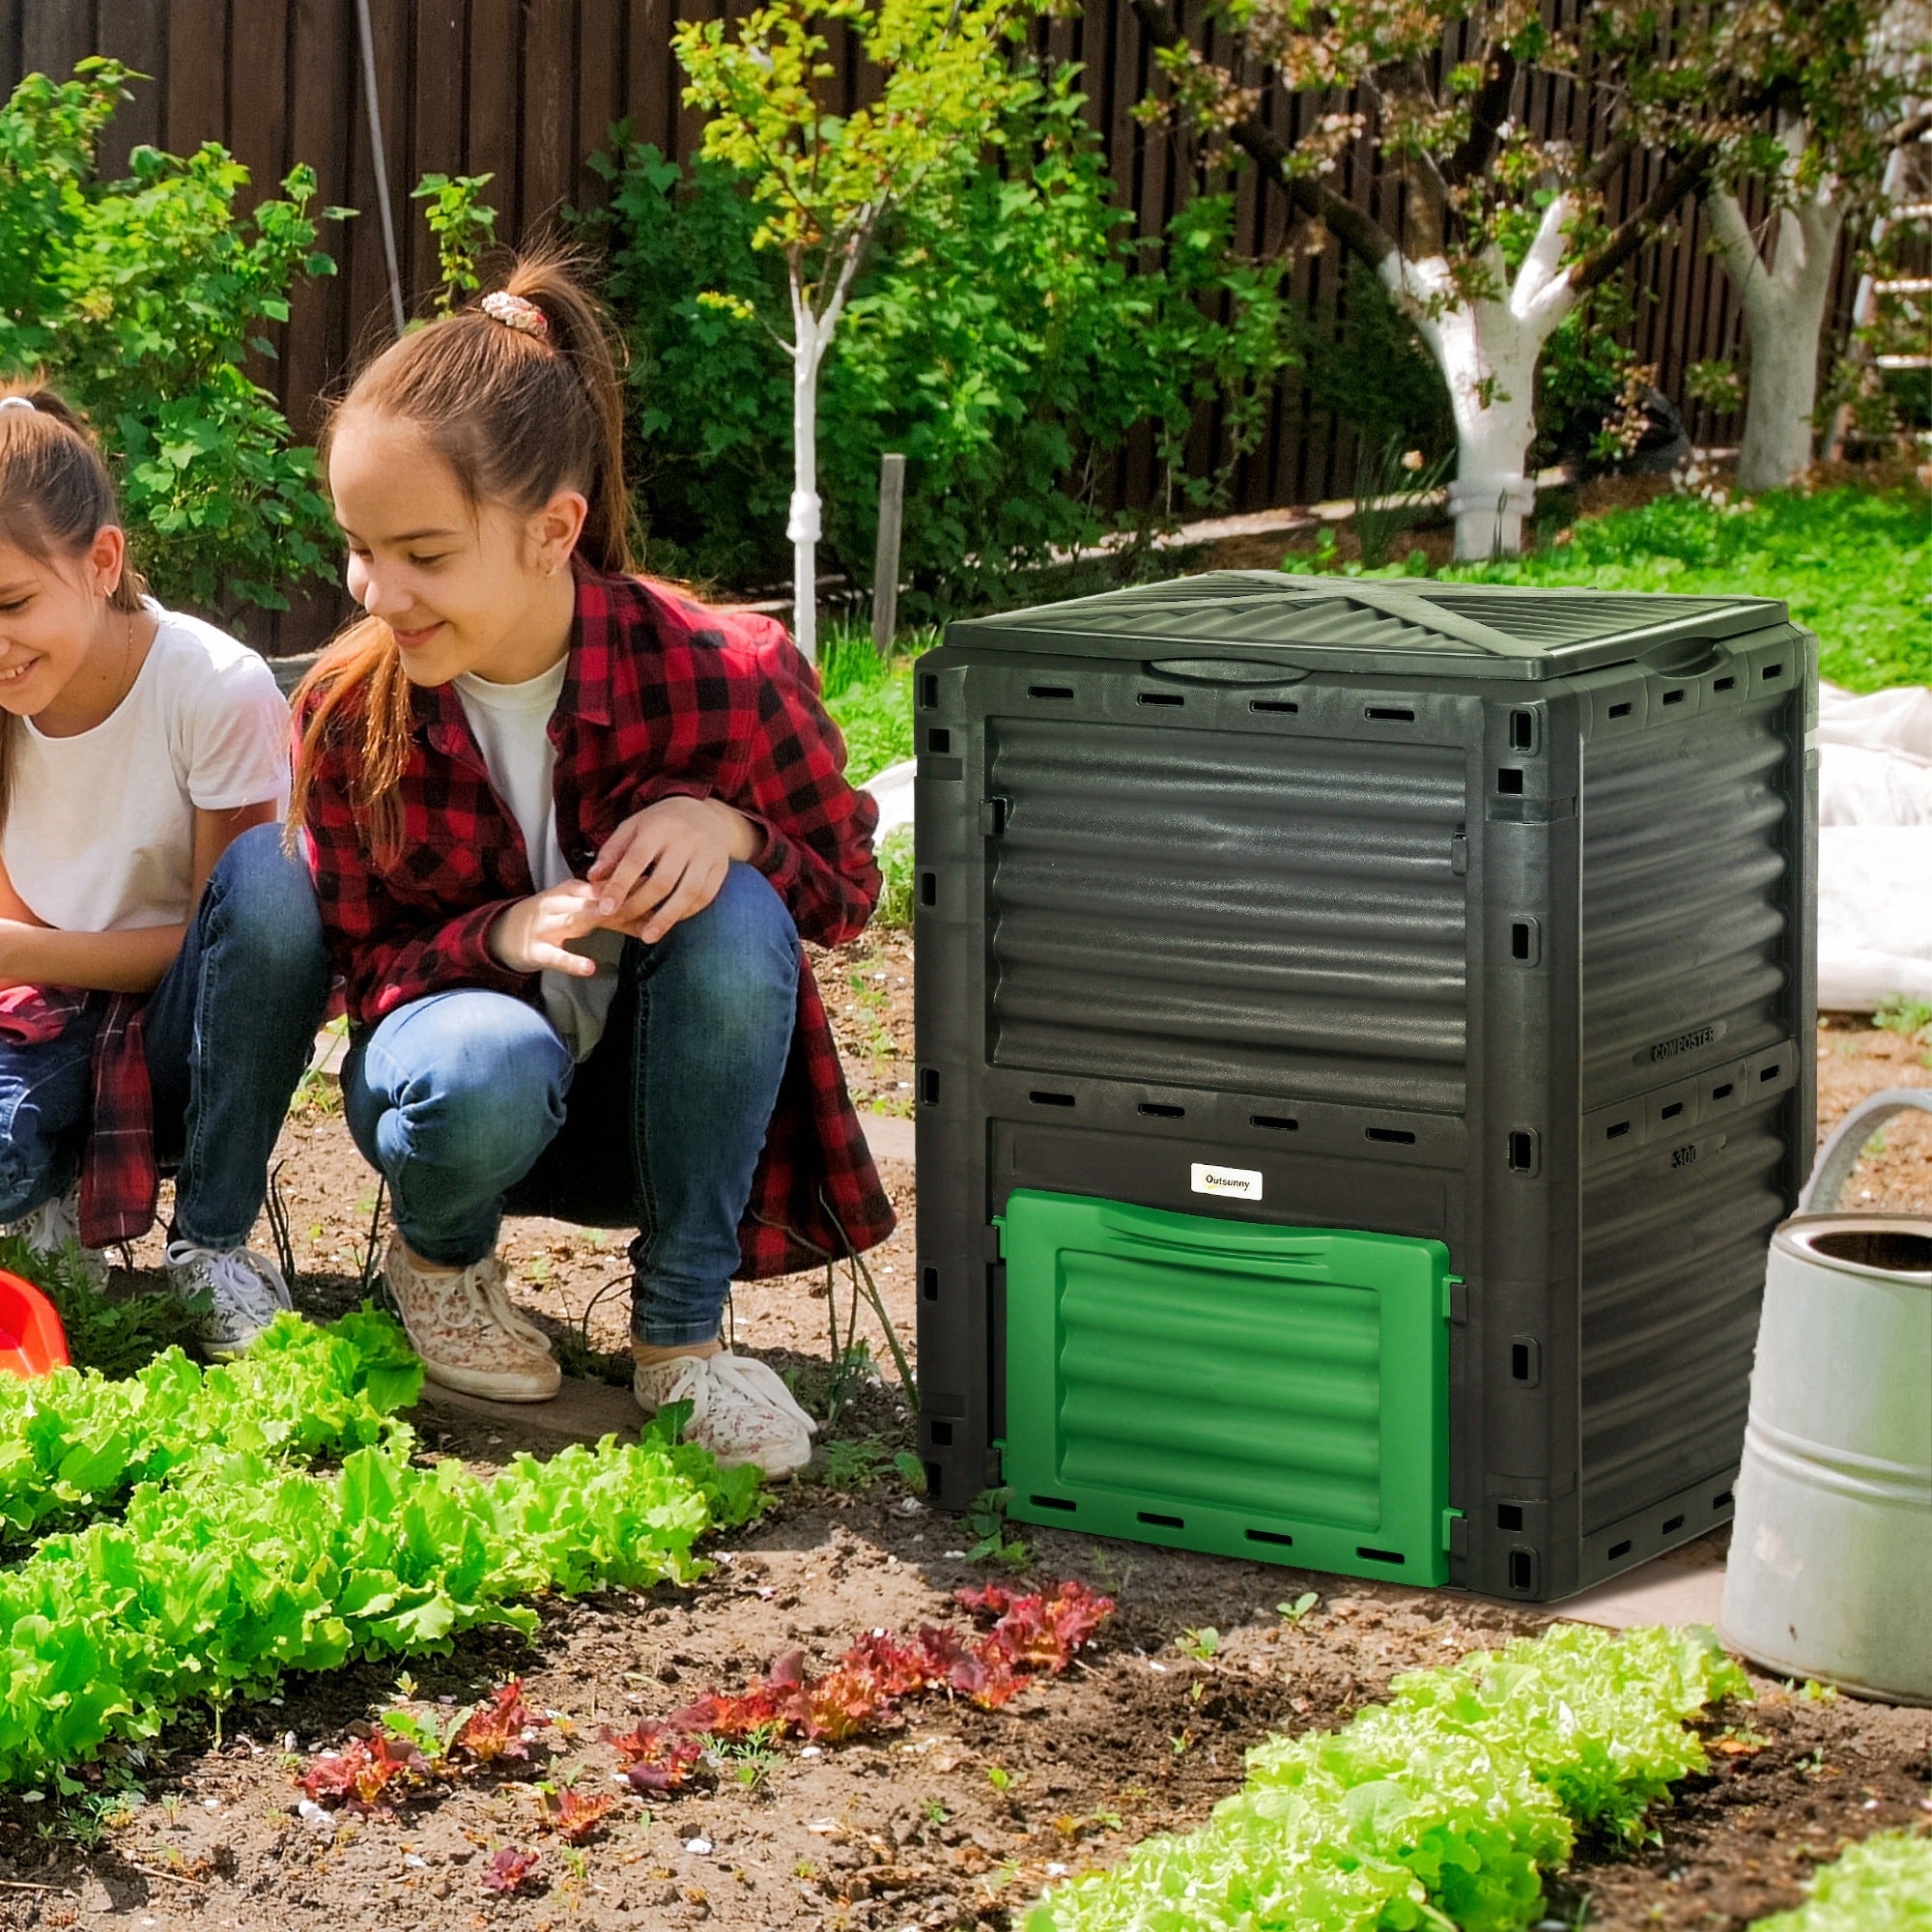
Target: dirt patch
x,y
867,989
958,1817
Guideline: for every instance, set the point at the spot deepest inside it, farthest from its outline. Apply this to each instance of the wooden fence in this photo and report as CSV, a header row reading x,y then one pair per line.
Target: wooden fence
x,y
526,89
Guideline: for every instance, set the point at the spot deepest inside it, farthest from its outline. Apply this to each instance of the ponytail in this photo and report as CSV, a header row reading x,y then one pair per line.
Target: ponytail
x,y
521,400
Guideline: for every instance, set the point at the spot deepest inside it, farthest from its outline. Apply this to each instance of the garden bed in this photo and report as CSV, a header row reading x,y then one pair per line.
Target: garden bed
x,y
961,1815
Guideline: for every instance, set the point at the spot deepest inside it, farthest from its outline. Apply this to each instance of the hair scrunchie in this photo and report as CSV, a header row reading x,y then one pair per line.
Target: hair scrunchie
x,y
515,312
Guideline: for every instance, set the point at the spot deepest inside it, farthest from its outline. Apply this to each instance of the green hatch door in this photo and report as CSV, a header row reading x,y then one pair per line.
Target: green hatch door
x,y
1252,1390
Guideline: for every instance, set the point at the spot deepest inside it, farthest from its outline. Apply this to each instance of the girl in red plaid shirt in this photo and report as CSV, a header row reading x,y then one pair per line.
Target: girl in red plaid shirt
x,y
566,829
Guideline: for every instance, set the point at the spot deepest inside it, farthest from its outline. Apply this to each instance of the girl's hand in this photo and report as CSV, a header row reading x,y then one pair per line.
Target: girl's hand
x,y
533,935
668,862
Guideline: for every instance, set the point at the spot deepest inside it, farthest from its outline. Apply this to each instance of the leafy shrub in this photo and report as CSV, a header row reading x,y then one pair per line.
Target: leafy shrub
x,y
1010,344
142,299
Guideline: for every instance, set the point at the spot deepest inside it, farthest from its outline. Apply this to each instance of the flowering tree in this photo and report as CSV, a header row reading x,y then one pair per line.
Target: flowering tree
x,y
946,81
1493,233
1844,73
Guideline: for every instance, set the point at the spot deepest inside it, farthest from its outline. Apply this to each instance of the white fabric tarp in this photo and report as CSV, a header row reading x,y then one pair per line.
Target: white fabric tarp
x,y
1874,847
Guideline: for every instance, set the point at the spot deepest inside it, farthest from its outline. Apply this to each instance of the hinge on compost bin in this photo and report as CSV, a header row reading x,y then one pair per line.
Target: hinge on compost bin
x,y
992,816
1458,853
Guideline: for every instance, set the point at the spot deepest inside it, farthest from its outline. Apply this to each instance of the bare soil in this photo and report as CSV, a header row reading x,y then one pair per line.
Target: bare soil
x,y
958,1817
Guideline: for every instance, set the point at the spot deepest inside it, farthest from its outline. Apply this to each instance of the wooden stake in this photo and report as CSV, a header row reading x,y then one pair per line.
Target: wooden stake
x,y
886,564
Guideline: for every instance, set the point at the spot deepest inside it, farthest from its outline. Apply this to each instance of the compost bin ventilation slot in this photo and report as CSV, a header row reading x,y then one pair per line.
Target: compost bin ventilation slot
x,y
928,1283
1279,1123
1159,698
1042,1099
941,1435
1522,730
1671,1527
1160,1111
1163,1521
1773,671
1622,710
1379,1556
928,693
928,1085
938,739
1770,1074
1518,941
1273,1536
1509,1515
1617,1550
1723,1093
1054,1503
1395,1136
1673,697
1390,713
928,889
1272,704
1054,691
1522,1570
1509,782
1617,1132
1722,1500
1671,1112
1725,684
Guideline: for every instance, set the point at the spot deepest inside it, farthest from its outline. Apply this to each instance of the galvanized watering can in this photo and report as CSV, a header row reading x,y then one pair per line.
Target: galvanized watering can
x,y
1830,1564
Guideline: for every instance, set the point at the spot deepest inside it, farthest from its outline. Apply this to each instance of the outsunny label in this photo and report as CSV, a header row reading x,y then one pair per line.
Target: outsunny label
x,y
1239,1183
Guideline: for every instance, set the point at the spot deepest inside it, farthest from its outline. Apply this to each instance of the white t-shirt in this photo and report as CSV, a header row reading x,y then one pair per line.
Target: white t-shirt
x,y
512,727
99,829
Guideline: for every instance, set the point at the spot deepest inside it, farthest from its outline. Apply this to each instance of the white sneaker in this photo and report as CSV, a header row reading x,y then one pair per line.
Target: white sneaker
x,y
453,1323
51,1227
740,1410
245,1292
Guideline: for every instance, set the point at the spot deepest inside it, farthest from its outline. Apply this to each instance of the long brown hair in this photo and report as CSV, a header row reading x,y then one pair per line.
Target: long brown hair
x,y
517,417
55,498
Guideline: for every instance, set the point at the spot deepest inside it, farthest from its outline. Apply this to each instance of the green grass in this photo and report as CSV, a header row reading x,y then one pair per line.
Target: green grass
x,y
1853,566
870,701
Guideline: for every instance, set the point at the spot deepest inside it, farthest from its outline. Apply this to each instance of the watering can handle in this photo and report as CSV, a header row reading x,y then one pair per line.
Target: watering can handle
x,y
1848,1140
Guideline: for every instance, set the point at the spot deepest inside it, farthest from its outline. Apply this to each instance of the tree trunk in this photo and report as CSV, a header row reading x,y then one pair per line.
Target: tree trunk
x,y
1784,301
803,528
1487,350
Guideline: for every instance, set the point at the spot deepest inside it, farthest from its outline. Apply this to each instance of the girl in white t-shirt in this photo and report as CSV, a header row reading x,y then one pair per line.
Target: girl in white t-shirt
x,y
161,968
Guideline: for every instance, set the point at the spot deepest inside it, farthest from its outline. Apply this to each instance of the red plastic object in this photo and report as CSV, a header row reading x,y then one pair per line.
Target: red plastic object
x,y
32,1339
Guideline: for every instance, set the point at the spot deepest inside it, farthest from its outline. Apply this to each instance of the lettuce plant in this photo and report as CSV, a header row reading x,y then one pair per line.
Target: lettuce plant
x,y
240,1569
1884,1884
74,1443
1439,1809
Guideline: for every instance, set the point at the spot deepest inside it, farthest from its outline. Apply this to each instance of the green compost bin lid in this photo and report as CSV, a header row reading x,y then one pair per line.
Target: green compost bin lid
x,y
1253,1390
1412,627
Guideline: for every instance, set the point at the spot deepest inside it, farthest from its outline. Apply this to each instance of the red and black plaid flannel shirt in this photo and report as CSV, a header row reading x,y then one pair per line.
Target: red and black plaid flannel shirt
x,y
663,697
119,1180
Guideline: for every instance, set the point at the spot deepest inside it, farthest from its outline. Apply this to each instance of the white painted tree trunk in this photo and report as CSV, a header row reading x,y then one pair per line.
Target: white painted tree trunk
x,y
812,337
1784,299
804,528
1487,350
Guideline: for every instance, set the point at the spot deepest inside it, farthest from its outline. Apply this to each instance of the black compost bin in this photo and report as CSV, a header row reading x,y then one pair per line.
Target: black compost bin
x,y
1258,914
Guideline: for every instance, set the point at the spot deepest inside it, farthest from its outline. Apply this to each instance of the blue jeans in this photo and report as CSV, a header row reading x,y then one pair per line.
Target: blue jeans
x,y
467,1102
227,1032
